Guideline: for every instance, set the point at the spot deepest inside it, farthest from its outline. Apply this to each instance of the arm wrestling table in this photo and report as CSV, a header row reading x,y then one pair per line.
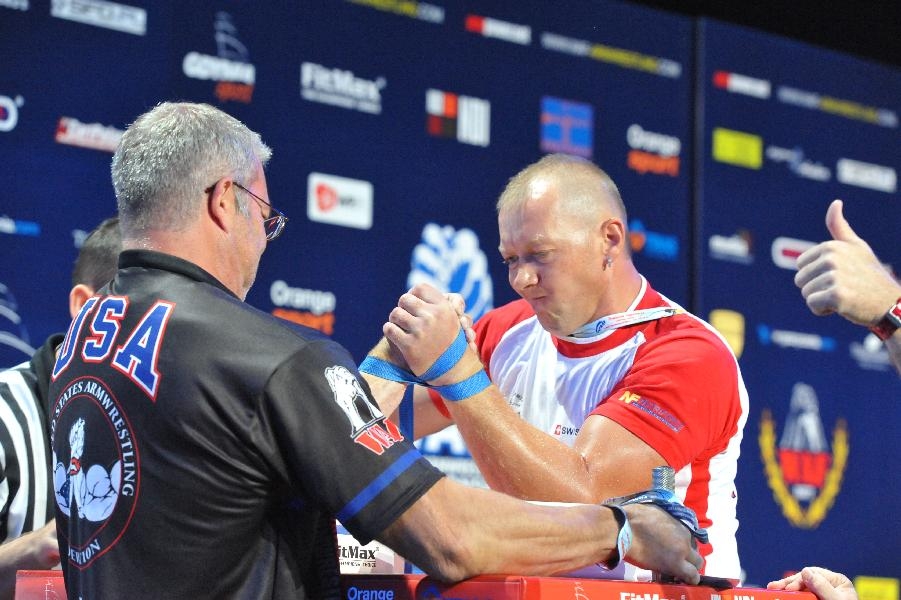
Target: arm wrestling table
x,y
48,585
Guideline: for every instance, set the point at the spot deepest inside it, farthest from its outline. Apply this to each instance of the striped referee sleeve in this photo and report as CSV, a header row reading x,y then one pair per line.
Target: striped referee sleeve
x,y
25,479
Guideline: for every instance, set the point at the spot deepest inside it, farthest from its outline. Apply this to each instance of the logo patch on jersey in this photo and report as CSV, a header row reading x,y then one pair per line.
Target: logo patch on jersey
x,y
368,425
653,409
96,469
565,430
804,476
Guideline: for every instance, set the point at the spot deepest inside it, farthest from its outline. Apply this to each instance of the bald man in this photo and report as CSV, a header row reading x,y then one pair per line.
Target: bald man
x,y
597,378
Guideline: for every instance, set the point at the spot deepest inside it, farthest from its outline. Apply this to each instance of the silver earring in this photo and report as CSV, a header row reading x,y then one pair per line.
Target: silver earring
x,y
608,262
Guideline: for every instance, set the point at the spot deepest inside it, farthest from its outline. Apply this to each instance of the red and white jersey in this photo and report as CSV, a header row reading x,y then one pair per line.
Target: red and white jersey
x,y
672,381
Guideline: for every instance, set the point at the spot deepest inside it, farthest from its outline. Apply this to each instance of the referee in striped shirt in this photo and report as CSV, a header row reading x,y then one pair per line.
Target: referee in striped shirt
x,y
27,531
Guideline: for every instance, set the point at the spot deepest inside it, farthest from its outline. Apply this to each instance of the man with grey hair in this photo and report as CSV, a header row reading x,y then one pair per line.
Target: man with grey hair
x,y
205,448
598,378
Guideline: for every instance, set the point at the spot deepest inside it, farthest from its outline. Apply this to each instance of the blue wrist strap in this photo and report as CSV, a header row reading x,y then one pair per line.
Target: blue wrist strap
x,y
666,500
450,357
454,392
386,370
462,390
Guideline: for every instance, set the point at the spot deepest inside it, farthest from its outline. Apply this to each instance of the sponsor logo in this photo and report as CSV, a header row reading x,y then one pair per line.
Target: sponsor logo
x,y
96,467
804,475
794,339
18,227
866,175
878,588
652,152
501,30
653,409
109,15
357,553
567,126
87,135
9,112
871,354
652,244
785,252
15,343
368,426
733,248
14,4
374,557
737,148
639,596
230,68
566,430
357,593
407,8
742,84
798,164
836,106
731,325
339,201
342,88
452,261
627,59
310,308
464,118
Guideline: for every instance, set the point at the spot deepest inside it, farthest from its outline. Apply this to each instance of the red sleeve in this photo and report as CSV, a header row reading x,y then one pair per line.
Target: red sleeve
x,y
680,396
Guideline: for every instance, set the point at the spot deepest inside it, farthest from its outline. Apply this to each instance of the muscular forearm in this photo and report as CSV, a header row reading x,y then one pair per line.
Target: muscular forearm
x,y
462,532
516,458
454,532
388,394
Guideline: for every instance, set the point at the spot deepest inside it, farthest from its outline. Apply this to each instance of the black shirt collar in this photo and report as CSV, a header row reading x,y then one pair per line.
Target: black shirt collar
x,y
150,259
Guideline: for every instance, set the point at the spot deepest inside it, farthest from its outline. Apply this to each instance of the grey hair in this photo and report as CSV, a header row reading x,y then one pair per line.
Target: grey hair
x,y
170,155
584,188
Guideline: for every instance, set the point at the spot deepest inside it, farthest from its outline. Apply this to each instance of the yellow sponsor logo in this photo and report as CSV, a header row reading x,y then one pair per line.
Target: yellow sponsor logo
x,y
628,397
877,588
625,58
849,109
737,148
731,326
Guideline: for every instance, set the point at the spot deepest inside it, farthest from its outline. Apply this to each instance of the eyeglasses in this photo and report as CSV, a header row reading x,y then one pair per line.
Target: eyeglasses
x,y
273,225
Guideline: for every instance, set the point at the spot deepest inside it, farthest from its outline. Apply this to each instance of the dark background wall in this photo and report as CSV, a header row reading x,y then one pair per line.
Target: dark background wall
x,y
866,29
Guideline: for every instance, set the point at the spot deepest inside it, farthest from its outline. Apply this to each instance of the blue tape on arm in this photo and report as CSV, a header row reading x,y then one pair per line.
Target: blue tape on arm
x,y
462,390
386,370
450,357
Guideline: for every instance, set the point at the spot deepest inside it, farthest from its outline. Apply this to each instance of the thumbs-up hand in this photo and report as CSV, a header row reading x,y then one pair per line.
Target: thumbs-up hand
x,y
843,275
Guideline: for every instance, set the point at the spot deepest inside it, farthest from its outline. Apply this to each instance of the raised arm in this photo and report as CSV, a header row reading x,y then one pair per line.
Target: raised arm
x,y
844,276
513,456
